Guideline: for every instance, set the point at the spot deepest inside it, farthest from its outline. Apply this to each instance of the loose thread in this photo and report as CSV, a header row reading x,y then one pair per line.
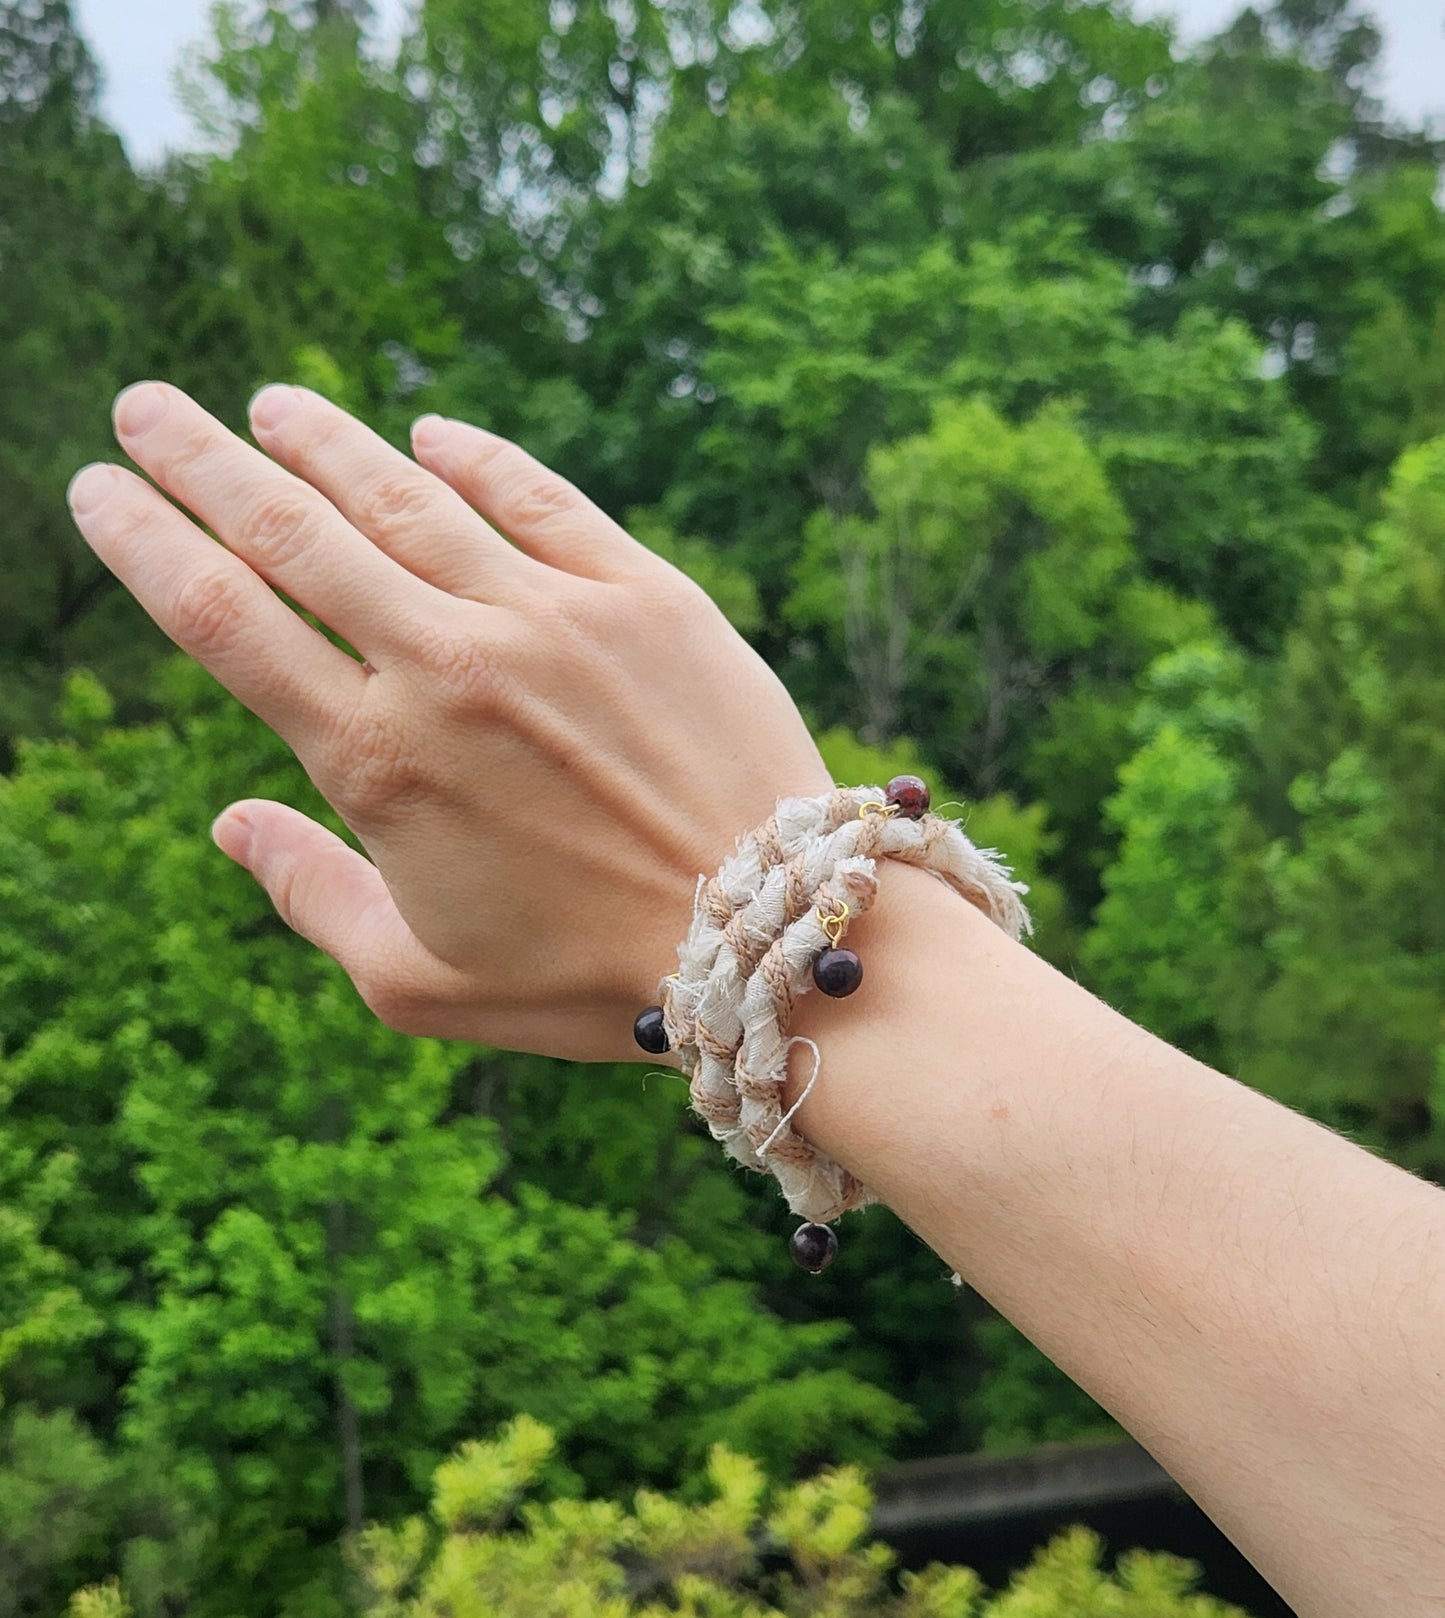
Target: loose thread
x,y
797,1039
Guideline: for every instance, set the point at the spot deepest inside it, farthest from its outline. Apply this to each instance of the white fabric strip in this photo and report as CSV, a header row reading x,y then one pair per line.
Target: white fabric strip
x,y
755,933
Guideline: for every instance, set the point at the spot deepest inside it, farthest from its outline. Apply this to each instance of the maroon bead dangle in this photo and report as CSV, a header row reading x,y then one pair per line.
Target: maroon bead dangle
x,y
814,1247
909,794
837,972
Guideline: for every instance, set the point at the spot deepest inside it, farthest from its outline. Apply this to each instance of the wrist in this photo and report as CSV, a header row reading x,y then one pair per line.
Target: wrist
x,y
938,1077
917,943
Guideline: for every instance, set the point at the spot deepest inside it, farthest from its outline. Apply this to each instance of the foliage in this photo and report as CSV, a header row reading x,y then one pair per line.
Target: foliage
x,y
1348,1021
54,1477
1164,936
1268,906
1026,387
78,240
1027,1399
489,1550
285,1240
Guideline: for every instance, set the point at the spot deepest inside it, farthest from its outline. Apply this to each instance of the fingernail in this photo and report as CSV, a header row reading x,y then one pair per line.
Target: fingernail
x,y
231,833
428,431
90,488
139,407
272,405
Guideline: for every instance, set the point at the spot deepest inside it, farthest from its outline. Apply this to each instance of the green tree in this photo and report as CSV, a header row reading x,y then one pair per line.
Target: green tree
x,y
1269,904
1349,1024
77,243
1168,939
977,524
1395,354
1257,176
290,1240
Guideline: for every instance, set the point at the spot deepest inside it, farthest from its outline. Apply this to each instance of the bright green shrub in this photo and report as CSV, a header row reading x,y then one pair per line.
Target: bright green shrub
x,y
804,1552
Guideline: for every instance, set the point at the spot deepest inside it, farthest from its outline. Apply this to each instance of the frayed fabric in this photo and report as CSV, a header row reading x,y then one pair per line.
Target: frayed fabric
x,y
757,928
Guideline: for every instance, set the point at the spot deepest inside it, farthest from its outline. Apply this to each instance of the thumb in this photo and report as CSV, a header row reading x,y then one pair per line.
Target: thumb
x,y
338,900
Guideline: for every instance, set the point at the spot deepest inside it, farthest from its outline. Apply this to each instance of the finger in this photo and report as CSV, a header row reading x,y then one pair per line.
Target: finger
x,y
336,899
536,508
274,522
213,606
411,514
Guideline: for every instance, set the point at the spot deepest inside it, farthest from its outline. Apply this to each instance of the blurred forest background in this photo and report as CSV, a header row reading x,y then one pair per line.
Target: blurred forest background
x,y
1061,413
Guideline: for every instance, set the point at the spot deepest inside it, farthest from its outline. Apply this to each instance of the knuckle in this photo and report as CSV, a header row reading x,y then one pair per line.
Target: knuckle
x,y
186,453
373,766
392,502
581,613
466,672
278,527
530,496
207,611
283,886
130,514
672,601
687,605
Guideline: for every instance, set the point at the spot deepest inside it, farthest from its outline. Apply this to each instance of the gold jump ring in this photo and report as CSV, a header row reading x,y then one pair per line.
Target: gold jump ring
x,y
833,925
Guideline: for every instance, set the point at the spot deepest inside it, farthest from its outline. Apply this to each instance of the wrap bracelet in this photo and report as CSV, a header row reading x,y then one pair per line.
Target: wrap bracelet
x,y
770,926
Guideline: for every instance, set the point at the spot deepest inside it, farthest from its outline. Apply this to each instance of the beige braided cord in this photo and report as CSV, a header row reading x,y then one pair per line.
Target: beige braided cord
x,y
758,926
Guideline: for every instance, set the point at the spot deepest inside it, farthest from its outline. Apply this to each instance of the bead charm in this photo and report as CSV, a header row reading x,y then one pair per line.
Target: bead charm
x,y
837,972
814,1247
650,1033
910,794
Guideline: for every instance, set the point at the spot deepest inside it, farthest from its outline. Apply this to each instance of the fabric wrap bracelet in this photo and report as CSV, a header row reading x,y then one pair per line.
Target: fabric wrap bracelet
x,y
764,930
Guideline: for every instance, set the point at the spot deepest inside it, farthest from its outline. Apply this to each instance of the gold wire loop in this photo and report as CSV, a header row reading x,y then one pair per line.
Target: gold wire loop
x,y
887,810
833,925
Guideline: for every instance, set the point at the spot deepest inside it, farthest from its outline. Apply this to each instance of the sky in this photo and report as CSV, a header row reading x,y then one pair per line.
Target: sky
x,y
139,42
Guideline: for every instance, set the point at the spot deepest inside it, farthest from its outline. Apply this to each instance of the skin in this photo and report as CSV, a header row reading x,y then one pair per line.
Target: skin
x,y
553,732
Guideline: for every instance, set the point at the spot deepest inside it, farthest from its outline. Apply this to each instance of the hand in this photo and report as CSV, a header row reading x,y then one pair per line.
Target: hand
x,y
553,732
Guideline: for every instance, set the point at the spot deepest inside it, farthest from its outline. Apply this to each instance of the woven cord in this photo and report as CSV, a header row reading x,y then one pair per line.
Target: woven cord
x,y
757,928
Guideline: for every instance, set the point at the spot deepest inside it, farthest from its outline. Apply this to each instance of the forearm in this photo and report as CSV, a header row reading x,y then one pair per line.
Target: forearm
x,y
1261,1303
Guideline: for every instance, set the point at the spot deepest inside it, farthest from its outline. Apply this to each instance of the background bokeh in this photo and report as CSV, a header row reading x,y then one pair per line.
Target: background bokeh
x,y
1058,404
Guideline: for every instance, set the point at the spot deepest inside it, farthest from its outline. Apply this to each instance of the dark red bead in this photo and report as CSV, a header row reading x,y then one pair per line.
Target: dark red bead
x,y
814,1247
910,794
837,972
650,1033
